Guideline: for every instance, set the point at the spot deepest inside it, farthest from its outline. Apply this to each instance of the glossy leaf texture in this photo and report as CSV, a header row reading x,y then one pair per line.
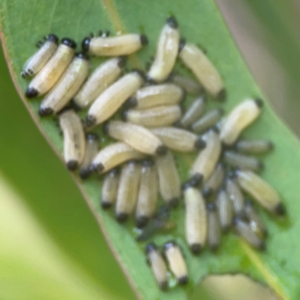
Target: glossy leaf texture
x,y
22,24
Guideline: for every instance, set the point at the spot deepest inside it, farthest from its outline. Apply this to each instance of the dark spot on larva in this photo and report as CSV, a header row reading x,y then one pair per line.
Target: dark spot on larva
x,y
82,56
259,103
141,221
144,40
150,80
122,61
130,103
85,44
196,179
105,204
200,144
31,93
150,247
172,22
53,38
90,120
161,150
196,248
85,173
45,111
182,44
74,105
97,168
169,244
207,192
222,95
280,210
183,280
121,217
69,42
72,165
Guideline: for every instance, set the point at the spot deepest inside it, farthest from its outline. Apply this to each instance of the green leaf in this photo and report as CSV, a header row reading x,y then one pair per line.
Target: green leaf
x,y
200,22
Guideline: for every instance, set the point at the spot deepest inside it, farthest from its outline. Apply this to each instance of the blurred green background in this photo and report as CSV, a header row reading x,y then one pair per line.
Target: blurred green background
x,y
51,246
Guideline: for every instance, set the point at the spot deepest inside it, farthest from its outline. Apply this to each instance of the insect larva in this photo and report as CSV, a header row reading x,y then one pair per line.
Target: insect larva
x,y
207,121
53,69
74,139
148,193
193,113
179,139
113,98
203,69
157,265
236,196
154,117
128,190
37,61
110,188
214,181
166,52
114,155
138,137
245,231
100,79
255,220
156,95
225,210
195,218
91,149
169,181
254,146
114,46
207,159
214,228
176,262
261,191
242,161
239,118
188,84
66,87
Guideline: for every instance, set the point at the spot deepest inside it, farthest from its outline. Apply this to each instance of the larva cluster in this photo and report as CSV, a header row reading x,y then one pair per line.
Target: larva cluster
x,y
140,164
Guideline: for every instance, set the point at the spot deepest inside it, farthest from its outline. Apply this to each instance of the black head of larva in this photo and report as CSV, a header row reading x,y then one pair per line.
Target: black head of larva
x,y
141,221
121,217
144,40
161,150
196,179
280,210
172,22
207,192
222,95
90,120
200,144
72,165
31,93
196,248
45,111
53,38
122,61
131,102
150,247
69,42
97,168
181,44
139,72
85,44
168,245
82,56
84,173
259,102
183,280
106,205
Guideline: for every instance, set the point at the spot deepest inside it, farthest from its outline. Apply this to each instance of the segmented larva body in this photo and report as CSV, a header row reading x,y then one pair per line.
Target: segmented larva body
x,y
214,228
169,181
213,183
179,139
53,69
188,84
155,116
236,196
114,46
238,119
113,155
91,149
128,190
254,146
193,113
207,121
203,69
176,262
208,158
156,95
74,139
110,188
148,193
113,98
166,53
106,74
261,191
195,219
140,138
225,210
242,161
158,265
66,87
38,60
